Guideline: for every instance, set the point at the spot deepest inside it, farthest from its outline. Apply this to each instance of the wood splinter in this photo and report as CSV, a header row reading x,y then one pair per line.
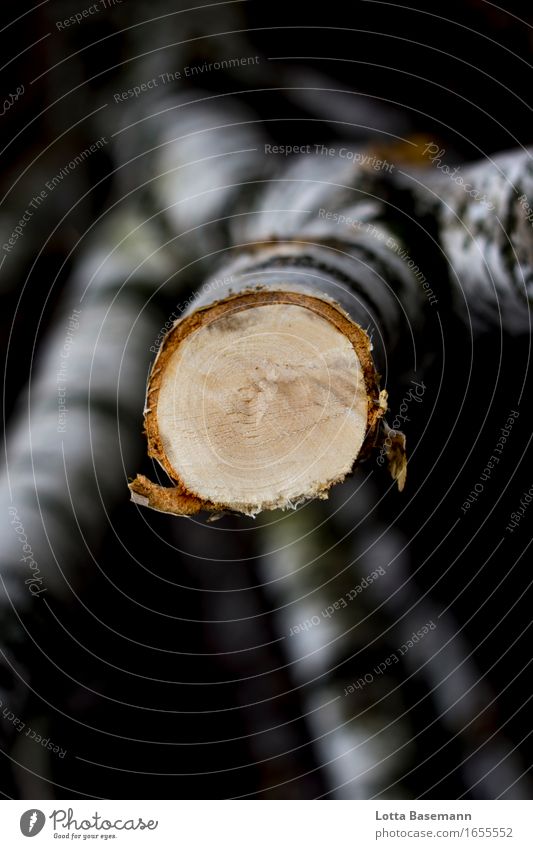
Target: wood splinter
x,y
260,401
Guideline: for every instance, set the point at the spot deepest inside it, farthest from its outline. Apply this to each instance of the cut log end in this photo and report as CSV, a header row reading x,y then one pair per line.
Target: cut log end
x,y
258,402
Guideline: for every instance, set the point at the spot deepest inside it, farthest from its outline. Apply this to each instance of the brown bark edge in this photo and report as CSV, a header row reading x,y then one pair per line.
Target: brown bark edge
x,y
178,499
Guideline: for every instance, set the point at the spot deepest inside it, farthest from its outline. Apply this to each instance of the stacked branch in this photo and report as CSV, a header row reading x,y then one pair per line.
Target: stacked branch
x,y
266,393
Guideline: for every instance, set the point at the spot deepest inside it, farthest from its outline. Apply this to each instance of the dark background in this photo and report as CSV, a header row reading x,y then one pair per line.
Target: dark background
x,y
457,72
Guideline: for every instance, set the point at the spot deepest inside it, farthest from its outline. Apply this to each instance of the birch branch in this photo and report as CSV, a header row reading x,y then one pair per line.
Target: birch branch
x,y
267,392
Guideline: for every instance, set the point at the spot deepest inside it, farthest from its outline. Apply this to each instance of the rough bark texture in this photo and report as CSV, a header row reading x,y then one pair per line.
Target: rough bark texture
x,y
343,230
